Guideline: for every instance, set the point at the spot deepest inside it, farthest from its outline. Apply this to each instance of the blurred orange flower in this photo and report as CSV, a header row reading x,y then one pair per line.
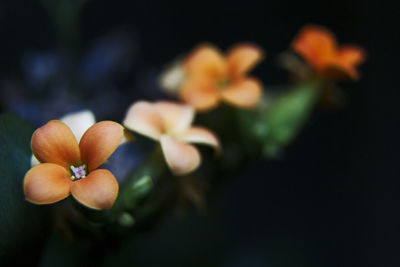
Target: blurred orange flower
x,y
70,168
170,124
319,48
211,77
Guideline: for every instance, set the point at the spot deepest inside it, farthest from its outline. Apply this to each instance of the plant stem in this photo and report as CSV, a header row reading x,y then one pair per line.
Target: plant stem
x,y
139,183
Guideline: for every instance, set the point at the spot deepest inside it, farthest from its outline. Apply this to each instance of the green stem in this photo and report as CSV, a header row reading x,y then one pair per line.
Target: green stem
x,y
138,184
287,115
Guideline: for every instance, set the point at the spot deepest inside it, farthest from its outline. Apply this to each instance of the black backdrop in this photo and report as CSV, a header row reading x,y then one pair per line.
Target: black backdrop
x,y
331,200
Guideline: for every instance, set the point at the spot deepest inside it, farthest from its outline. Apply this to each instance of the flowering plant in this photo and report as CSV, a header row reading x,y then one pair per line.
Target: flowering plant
x,y
121,182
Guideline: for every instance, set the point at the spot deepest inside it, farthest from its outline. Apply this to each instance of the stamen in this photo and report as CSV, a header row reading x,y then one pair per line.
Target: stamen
x,y
78,172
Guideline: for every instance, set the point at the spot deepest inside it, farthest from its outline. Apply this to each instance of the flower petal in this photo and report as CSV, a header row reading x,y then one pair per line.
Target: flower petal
x,y
345,62
176,117
316,45
205,61
55,143
99,142
244,93
142,117
171,79
351,55
181,157
46,183
201,135
79,122
202,95
97,191
243,57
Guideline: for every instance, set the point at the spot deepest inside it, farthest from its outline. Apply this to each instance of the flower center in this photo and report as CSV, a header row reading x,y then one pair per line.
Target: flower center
x,y
78,172
223,82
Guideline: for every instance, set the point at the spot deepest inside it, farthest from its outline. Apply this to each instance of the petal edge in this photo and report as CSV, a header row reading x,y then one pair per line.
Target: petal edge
x,y
143,118
182,158
99,142
243,57
176,117
201,135
46,183
55,143
98,190
245,93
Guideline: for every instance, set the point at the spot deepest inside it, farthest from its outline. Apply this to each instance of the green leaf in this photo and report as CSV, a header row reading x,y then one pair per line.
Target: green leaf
x,y
22,224
137,186
287,115
140,181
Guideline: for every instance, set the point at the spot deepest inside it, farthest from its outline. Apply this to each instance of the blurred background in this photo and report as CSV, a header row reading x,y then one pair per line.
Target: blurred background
x,y
332,199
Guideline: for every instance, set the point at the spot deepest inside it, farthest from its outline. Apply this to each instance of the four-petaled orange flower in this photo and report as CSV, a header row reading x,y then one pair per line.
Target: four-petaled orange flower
x,y
67,167
170,124
319,48
210,77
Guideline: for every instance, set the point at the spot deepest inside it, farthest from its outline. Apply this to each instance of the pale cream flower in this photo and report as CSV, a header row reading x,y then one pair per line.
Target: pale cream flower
x,y
170,124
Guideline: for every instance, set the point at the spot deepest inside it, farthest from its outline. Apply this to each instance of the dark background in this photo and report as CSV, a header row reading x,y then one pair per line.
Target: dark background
x,y
333,197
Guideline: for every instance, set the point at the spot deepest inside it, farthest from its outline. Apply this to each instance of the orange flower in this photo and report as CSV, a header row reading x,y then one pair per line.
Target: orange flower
x,y
211,77
170,124
319,48
71,168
